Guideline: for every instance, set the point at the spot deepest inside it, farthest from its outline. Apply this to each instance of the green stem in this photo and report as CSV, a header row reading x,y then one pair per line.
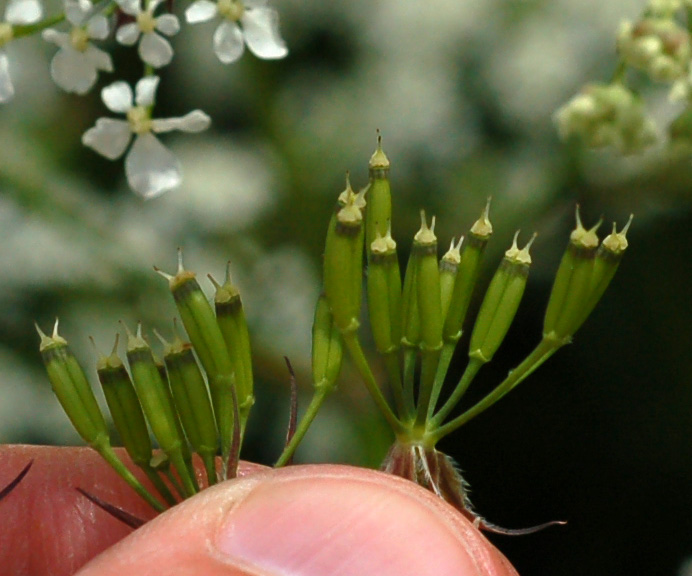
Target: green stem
x,y
410,356
173,479
21,30
619,73
189,484
430,359
462,386
353,344
393,369
210,466
545,349
305,422
159,484
442,367
109,456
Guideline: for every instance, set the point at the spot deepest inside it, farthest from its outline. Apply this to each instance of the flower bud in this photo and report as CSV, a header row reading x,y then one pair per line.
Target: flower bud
x,y
327,347
379,211
343,261
157,404
72,389
572,283
384,294
124,406
230,317
467,275
501,302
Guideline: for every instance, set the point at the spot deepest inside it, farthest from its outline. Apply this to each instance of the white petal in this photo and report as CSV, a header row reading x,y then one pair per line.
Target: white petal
x,y
145,90
72,71
108,137
58,38
200,11
75,11
155,50
194,121
153,4
99,59
117,97
127,34
23,11
167,24
131,7
6,88
151,169
261,31
228,42
97,27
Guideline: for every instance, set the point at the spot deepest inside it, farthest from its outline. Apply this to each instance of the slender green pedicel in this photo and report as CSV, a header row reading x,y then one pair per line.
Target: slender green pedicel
x,y
572,283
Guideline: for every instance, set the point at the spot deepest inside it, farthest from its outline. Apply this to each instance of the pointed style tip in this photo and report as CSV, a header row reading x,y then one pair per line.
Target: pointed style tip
x,y
482,227
426,234
379,160
520,256
181,268
163,274
214,282
616,242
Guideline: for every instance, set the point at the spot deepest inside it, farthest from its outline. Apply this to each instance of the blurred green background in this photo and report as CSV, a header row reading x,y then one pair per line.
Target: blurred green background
x,y
463,92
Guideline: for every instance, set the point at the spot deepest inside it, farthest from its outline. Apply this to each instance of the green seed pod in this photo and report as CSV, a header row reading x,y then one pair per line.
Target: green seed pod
x,y
157,404
379,212
343,262
124,406
449,265
607,260
204,333
572,283
467,276
384,294
72,389
327,347
501,302
230,317
428,285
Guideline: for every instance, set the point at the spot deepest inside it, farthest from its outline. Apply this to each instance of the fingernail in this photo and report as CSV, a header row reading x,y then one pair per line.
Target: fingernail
x,y
337,525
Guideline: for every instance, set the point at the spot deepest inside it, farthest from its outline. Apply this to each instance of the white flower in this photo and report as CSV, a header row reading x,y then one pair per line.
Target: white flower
x,y
260,28
150,167
154,49
16,12
76,65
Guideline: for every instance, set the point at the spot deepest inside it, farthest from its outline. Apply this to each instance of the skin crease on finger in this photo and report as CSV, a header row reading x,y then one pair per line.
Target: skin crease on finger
x,y
324,519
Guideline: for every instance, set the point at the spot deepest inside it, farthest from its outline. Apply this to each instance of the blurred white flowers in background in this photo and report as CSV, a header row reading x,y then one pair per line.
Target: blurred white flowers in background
x,y
150,167
153,48
17,12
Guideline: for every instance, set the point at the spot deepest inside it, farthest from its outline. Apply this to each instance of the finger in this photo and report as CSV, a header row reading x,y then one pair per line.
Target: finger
x,y
307,520
48,527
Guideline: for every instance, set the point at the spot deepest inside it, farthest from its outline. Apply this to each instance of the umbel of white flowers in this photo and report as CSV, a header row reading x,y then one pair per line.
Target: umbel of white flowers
x,y
150,167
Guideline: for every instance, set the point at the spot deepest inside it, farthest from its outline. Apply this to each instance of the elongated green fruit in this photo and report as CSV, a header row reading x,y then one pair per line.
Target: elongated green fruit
x,y
230,317
343,261
327,348
501,302
204,333
607,261
124,406
379,211
572,283
157,405
72,388
449,265
467,276
410,316
384,294
191,400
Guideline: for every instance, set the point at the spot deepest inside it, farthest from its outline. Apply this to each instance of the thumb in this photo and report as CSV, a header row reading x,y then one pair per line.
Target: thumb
x,y
307,520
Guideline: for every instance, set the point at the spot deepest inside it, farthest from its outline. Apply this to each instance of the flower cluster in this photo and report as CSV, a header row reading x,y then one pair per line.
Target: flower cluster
x,y
607,115
150,168
659,44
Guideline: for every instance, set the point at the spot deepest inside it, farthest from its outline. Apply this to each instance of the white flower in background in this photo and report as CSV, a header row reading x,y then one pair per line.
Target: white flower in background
x,y
243,22
607,115
154,49
16,12
75,67
150,167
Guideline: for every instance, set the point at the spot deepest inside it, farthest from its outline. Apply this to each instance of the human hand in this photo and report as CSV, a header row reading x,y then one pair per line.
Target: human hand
x,y
307,520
